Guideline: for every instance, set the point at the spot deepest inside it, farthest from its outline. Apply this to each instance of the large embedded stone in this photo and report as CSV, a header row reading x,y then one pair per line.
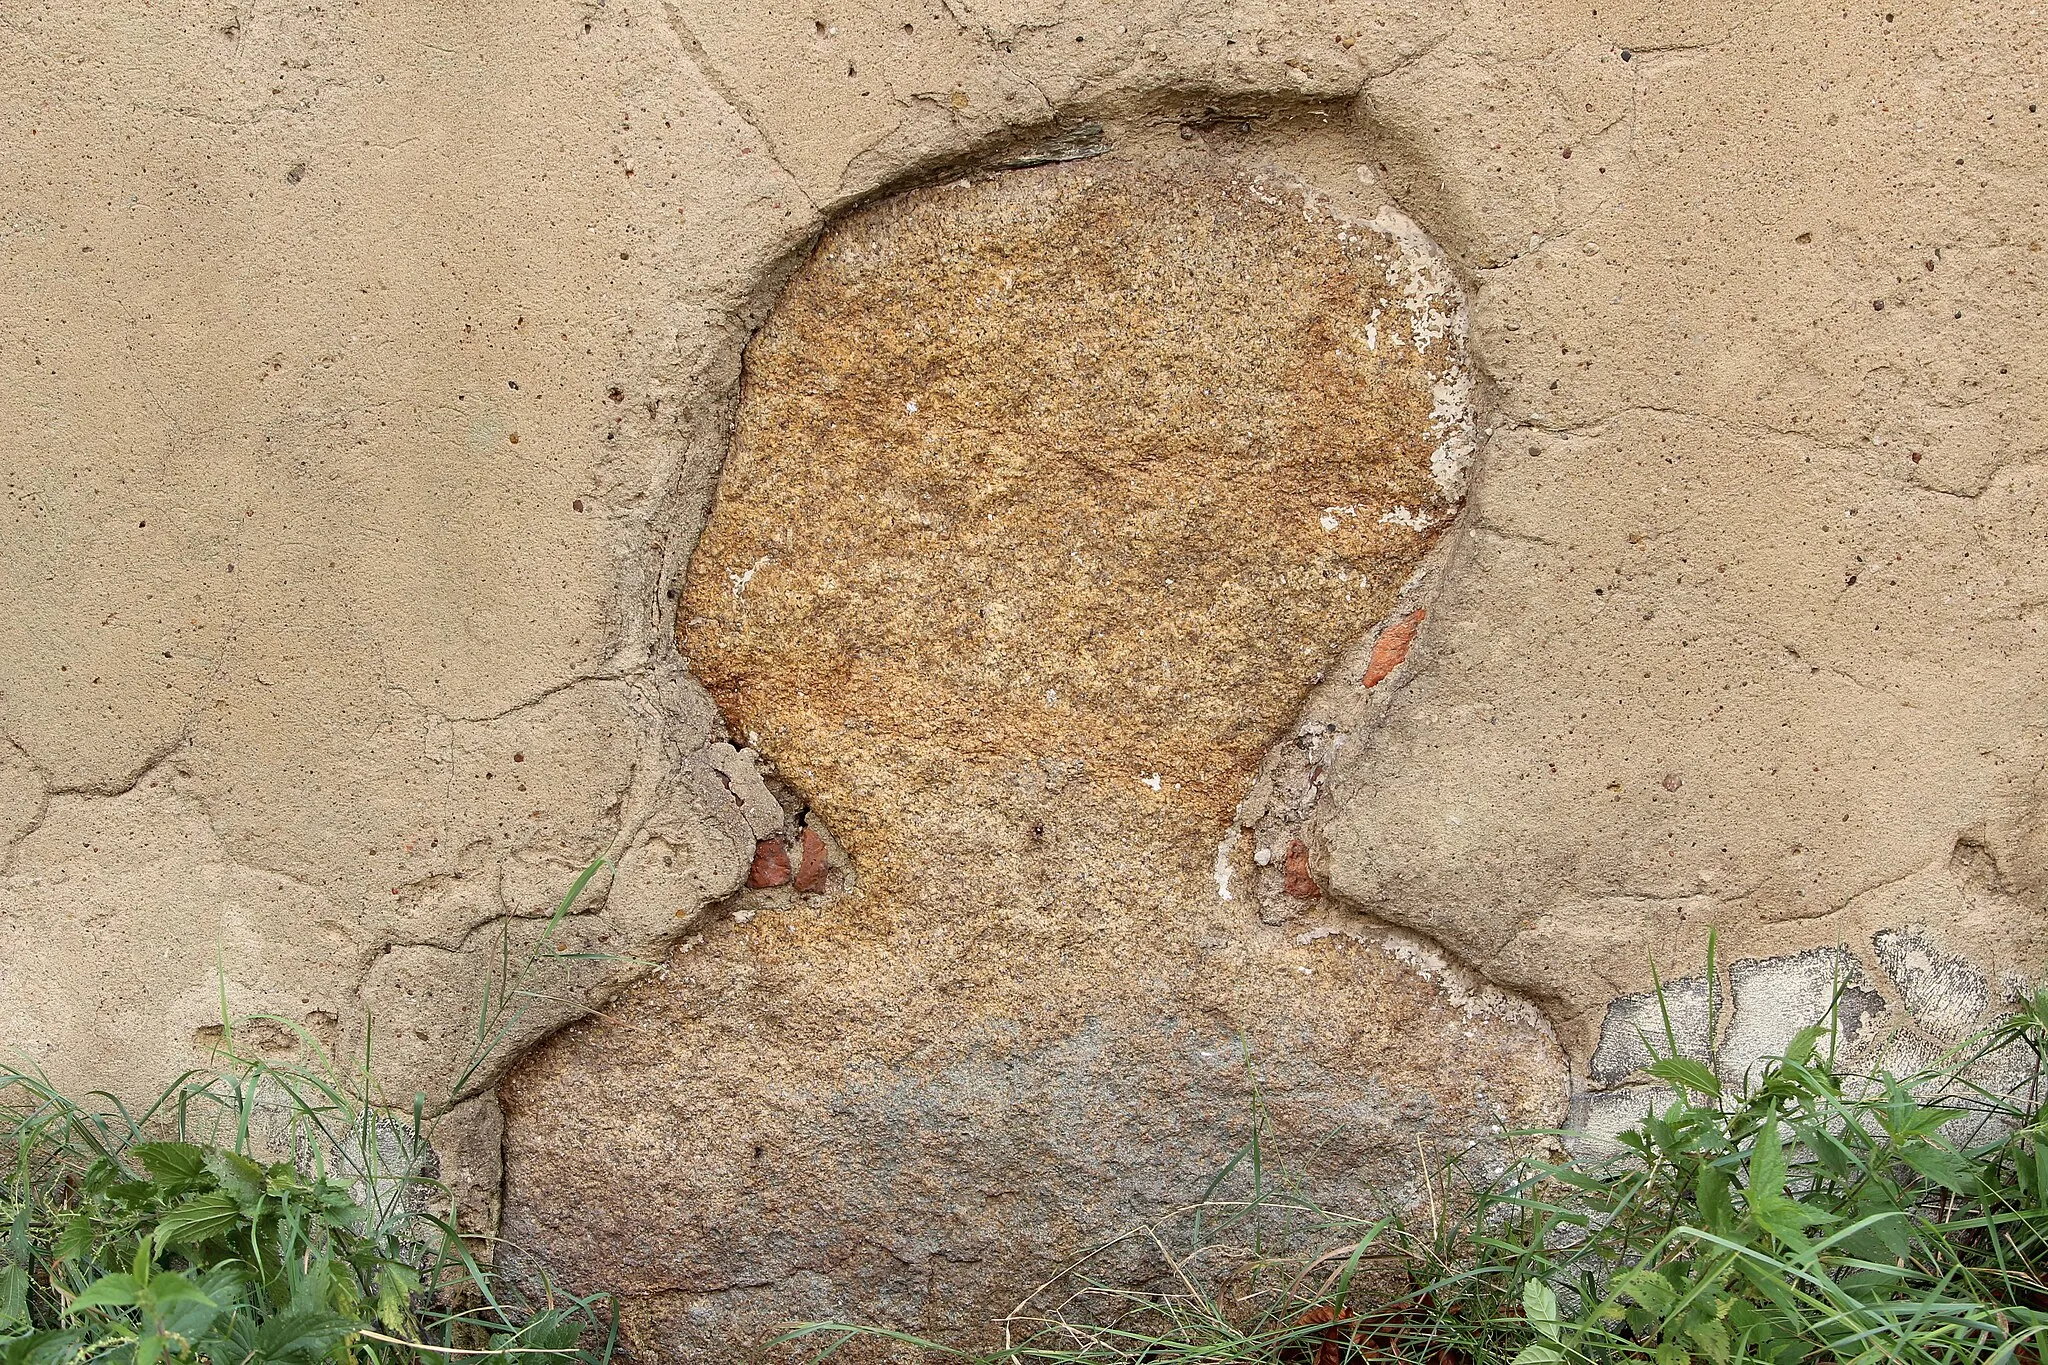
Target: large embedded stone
x,y
1053,493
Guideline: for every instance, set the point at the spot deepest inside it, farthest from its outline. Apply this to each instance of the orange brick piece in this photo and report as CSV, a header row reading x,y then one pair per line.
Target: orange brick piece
x,y
771,865
1295,878
810,872
1392,647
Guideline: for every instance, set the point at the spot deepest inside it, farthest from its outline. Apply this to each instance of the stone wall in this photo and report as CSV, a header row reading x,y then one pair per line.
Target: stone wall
x,y
372,369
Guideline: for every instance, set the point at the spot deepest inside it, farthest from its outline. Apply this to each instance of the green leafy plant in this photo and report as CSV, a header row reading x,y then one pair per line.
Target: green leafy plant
x,y
257,1213
1818,1214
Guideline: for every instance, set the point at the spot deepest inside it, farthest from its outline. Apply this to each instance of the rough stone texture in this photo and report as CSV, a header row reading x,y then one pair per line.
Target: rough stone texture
x,y
1046,493
1742,626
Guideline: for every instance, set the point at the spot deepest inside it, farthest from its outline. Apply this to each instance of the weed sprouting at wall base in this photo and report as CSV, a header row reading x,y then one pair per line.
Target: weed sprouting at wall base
x,y
1814,1214
259,1212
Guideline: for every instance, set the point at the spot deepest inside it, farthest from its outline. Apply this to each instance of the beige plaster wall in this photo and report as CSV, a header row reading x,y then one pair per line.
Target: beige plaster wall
x,y
367,366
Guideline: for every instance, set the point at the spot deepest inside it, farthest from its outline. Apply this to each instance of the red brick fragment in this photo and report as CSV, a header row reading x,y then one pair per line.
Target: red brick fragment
x,y
1295,879
1392,647
771,865
810,873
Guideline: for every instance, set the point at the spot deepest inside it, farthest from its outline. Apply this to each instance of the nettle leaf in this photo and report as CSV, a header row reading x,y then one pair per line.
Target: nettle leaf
x,y
1717,1205
174,1306
58,1346
1711,1337
199,1218
1943,1165
1767,1166
167,1287
1787,1220
1800,1050
301,1334
1647,1288
118,1290
1683,1071
172,1162
1538,1353
76,1241
396,1284
282,1178
237,1174
13,1296
1826,1149
1539,1305
547,1332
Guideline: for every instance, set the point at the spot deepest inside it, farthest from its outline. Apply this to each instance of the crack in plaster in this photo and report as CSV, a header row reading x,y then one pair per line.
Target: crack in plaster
x,y
715,78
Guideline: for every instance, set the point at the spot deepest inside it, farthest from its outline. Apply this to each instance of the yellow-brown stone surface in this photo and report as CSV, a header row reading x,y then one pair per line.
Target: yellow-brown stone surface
x,y
1052,494
1075,464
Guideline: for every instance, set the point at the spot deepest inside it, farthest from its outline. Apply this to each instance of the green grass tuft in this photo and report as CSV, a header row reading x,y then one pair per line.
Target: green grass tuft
x,y
258,1213
1819,1215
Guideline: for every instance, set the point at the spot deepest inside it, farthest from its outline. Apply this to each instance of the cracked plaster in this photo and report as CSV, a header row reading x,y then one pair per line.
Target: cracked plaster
x,y
1741,628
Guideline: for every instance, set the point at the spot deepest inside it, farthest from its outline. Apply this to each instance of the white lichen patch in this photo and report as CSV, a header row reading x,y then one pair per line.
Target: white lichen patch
x,y
1472,994
740,580
1436,319
1223,868
1408,517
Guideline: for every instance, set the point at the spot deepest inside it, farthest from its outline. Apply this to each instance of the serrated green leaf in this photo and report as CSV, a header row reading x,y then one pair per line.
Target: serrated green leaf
x,y
1684,1071
1800,1050
118,1290
396,1284
301,1334
166,1288
1717,1206
1538,1353
201,1217
57,1346
76,1241
1711,1336
1647,1288
1766,1163
1943,1165
13,1296
1539,1306
172,1162
237,1174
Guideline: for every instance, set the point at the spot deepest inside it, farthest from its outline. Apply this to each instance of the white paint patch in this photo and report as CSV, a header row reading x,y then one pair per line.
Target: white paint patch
x,y
1436,313
1223,868
1473,994
1415,521
1152,781
740,580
